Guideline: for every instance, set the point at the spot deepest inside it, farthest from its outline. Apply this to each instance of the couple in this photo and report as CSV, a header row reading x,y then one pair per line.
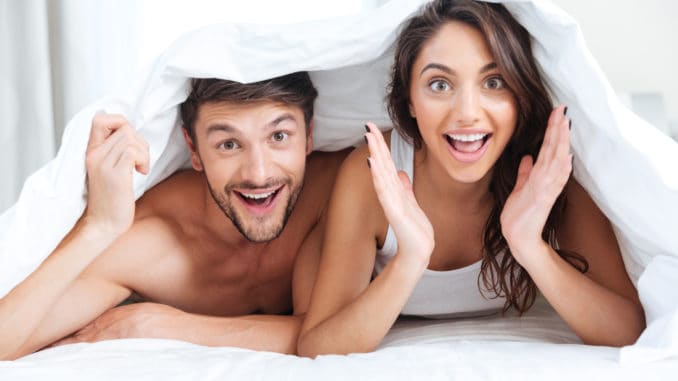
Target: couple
x,y
466,210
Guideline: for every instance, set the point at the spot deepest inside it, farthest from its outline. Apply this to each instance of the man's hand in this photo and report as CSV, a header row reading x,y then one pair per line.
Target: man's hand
x,y
113,152
123,322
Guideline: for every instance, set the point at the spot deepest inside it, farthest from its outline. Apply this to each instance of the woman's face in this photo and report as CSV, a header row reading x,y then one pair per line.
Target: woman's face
x,y
465,112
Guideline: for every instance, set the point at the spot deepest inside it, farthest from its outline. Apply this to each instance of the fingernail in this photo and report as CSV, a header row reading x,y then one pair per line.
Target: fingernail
x,y
368,163
365,137
565,111
367,128
570,126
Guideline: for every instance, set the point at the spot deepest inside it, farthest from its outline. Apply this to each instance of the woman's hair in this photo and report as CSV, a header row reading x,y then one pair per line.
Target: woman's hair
x,y
509,43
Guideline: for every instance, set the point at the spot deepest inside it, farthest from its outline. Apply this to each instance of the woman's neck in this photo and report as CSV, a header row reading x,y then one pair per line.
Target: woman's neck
x,y
434,183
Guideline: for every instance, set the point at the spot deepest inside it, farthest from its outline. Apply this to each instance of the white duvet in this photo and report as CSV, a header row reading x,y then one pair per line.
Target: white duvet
x,y
628,167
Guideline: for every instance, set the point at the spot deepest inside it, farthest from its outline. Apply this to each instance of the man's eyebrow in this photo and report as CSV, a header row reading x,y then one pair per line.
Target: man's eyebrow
x,y
221,127
441,67
281,118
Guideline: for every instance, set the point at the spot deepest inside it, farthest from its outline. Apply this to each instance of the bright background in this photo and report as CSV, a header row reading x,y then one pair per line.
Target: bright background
x,y
57,56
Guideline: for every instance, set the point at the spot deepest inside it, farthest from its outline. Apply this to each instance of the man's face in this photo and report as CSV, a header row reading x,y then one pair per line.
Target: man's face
x,y
253,156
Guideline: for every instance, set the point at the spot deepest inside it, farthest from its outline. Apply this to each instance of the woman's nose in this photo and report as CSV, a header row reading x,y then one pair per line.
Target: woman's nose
x,y
466,106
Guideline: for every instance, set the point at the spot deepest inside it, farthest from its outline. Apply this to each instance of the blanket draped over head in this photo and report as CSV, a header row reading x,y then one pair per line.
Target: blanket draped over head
x,y
627,166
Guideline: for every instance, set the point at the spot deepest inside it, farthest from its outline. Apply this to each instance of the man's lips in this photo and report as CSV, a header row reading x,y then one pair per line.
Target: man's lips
x,y
259,200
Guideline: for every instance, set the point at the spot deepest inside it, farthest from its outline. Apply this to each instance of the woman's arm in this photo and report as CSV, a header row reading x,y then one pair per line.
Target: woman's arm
x,y
601,306
348,313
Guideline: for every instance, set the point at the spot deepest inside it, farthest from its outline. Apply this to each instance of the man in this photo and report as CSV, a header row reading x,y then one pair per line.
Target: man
x,y
219,240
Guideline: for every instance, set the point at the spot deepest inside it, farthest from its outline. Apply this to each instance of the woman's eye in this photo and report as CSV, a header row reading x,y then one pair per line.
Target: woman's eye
x,y
280,136
439,86
228,145
495,83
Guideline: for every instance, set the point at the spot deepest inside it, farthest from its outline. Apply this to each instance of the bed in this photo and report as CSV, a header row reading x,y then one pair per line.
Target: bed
x,y
536,346
627,166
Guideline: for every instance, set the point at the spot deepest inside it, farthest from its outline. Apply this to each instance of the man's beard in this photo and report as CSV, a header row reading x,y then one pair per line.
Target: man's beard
x,y
255,233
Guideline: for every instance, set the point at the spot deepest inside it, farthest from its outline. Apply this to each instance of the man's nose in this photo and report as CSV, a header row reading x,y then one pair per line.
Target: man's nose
x,y
466,106
257,166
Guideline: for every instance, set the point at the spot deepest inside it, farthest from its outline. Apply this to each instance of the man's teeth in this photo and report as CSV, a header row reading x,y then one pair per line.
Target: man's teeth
x,y
257,196
466,137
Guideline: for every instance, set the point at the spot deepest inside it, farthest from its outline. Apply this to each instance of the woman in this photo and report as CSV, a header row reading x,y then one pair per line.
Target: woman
x,y
483,223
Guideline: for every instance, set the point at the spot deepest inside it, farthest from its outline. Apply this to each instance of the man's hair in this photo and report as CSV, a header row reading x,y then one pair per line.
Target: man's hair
x,y
294,89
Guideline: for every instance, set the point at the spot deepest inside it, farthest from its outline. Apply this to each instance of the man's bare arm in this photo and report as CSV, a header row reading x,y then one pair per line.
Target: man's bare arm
x,y
275,333
113,152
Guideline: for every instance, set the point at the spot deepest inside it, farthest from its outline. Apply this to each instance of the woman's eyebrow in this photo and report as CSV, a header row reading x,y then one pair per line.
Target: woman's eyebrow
x,y
446,69
488,67
438,66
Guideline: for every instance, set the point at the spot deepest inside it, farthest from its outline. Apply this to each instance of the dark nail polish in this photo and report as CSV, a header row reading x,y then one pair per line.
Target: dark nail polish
x,y
565,111
365,137
367,128
570,126
368,163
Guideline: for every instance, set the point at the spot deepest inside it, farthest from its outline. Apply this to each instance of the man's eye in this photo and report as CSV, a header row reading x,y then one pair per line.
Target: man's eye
x,y
228,145
280,136
439,86
495,83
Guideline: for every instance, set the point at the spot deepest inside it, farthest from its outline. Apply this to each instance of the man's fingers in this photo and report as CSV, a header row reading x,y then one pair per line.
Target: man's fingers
x,y
103,126
124,147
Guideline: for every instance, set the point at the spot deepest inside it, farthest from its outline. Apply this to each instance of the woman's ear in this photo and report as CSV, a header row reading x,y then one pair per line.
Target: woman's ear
x,y
309,138
195,158
412,113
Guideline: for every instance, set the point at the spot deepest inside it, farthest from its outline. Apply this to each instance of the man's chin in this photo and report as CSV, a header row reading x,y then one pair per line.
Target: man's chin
x,y
259,234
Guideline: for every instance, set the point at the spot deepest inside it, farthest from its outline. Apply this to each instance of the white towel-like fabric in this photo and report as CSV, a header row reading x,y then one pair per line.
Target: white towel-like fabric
x,y
629,168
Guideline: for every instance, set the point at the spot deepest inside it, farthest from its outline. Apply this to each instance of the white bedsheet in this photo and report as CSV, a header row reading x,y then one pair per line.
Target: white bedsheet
x,y
538,346
629,168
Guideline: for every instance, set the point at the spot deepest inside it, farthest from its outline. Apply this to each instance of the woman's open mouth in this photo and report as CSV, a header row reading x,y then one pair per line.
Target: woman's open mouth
x,y
468,148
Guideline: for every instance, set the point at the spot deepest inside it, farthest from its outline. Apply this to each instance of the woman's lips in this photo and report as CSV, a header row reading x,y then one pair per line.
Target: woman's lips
x,y
468,148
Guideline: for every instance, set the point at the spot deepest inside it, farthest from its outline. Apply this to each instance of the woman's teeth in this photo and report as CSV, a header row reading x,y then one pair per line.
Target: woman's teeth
x,y
466,137
467,143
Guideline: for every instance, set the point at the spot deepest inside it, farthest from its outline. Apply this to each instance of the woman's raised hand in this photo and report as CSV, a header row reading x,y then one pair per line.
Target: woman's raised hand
x,y
537,188
394,190
114,151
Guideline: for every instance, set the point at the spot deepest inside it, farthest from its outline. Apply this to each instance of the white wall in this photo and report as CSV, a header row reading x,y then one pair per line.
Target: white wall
x,y
635,43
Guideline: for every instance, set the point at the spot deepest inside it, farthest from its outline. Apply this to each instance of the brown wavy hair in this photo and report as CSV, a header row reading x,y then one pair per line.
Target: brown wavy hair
x,y
510,45
294,89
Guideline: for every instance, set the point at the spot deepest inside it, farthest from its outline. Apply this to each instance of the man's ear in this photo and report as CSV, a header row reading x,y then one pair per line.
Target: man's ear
x,y
195,158
309,138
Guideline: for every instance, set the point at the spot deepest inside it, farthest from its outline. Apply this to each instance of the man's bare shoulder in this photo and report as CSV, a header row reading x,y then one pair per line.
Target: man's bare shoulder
x,y
176,197
322,168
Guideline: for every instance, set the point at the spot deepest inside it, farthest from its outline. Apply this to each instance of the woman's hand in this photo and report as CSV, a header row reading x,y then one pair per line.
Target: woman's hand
x,y
394,190
537,188
114,151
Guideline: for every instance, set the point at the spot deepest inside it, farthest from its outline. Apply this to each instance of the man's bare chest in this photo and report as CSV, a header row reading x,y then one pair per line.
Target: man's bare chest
x,y
207,280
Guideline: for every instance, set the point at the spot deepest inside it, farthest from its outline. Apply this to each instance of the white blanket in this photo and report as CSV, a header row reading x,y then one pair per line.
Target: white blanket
x,y
628,167
537,346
